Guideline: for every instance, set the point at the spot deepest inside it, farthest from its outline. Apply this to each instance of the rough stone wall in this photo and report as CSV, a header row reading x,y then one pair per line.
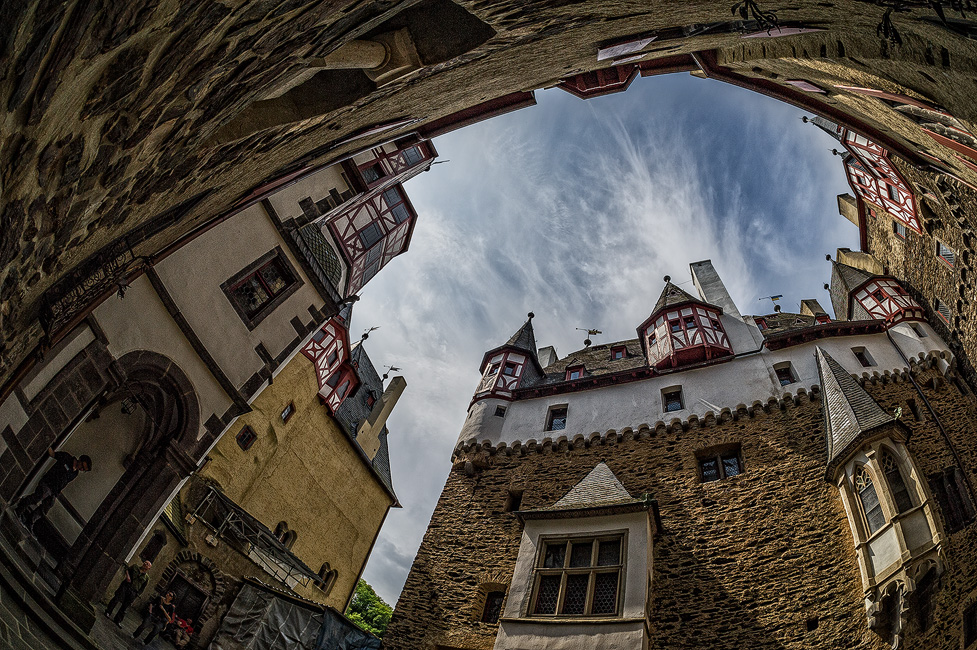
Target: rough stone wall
x,y
308,473
744,562
108,115
946,207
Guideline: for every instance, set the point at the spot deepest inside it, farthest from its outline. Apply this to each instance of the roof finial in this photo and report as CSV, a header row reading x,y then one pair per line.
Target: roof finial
x,y
828,257
531,315
668,278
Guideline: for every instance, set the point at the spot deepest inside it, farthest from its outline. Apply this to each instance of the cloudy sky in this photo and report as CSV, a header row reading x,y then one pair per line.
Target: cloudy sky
x,y
575,210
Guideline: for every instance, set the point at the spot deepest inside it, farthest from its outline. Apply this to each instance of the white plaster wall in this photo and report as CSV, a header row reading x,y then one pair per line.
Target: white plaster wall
x,y
743,380
317,186
57,359
140,322
626,632
193,276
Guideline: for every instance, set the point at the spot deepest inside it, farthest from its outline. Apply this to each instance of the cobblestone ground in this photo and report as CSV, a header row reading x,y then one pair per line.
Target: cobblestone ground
x,y
110,637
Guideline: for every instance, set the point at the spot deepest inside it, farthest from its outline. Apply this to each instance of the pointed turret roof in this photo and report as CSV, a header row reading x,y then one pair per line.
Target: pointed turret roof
x,y
844,280
672,295
849,411
825,125
524,338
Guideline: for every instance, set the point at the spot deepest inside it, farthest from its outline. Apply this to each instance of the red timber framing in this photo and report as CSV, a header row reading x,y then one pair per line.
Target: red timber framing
x,y
684,334
386,161
373,232
885,299
329,352
502,371
618,78
875,179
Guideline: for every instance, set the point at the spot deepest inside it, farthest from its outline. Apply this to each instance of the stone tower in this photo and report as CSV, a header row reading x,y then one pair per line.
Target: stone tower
x,y
723,480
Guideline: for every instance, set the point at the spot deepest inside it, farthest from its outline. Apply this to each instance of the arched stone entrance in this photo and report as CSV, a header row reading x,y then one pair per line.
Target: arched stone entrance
x,y
198,584
160,457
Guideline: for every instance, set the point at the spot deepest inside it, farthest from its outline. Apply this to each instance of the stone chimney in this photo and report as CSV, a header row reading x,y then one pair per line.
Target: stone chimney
x,y
812,307
711,287
864,261
547,356
848,207
368,435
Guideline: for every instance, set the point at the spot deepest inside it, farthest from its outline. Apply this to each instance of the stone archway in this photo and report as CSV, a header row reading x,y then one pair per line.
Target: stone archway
x,y
191,573
165,456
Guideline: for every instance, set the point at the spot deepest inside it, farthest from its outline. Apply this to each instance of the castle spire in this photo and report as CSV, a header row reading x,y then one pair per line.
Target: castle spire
x,y
850,413
524,338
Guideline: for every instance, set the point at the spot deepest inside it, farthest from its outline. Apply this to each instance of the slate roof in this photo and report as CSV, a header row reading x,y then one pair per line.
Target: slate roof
x,y
844,278
848,410
672,295
780,322
599,488
524,338
354,409
596,361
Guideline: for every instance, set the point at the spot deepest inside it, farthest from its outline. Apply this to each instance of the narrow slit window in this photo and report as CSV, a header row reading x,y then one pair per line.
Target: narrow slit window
x,y
500,411
900,493
944,311
869,500
945,253
288,412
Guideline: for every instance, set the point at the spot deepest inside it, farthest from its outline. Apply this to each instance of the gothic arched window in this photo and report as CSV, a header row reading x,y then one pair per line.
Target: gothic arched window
x,y
869,499
900,493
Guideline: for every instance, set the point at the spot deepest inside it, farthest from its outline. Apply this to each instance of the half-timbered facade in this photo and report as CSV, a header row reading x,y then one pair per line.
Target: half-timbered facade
x,y
683,330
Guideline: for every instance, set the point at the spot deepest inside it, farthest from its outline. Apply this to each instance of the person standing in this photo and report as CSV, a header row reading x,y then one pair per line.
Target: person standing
x,y
161,613
135,581
66,467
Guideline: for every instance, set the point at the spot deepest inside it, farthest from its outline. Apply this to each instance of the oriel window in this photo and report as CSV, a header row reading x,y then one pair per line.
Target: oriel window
x,y
578,577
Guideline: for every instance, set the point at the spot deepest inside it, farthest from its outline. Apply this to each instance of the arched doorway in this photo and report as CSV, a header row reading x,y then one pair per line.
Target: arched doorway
x,y
146,445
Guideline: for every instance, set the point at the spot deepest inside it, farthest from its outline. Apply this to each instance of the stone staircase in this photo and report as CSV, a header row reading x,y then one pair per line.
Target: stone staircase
x,y
29,615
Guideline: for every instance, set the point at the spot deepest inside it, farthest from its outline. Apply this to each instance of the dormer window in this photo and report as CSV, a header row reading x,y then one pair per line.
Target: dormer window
x,y
575,372
620,352
760,323
821,319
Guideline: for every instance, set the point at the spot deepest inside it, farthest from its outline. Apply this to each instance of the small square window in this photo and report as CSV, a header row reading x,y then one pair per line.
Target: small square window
x,y
500,411
672,399
373,173
619,352
652,339
690,323
760,323
879,295
513,500
785,374
716,325
258,289
246,437
510,369
945,253
863,357
899,229
557,419
371,235
676,326
719,462
413,156
288,412
574,373
892,192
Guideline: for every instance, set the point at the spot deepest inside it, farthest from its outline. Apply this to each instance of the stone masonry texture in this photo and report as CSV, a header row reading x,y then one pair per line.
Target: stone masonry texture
x,y
743,562
111,116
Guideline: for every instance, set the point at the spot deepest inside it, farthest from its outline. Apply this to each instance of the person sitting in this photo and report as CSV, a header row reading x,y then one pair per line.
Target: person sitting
x,y
182,633
66,467
135,581
160,614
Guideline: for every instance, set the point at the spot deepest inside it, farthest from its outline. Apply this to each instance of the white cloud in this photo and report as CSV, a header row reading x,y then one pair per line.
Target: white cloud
x,y
575,210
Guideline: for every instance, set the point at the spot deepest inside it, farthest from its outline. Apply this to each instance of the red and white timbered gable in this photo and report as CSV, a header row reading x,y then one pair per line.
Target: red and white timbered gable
x,y
329,352
875,179
501,374
373,232
380,164
684,334
885,299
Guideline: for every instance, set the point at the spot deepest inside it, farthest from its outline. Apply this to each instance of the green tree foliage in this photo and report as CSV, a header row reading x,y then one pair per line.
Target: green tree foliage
x,y
368,611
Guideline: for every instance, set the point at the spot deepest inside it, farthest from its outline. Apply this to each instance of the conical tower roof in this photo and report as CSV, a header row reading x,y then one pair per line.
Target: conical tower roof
x,y
849,411
524,338
672,295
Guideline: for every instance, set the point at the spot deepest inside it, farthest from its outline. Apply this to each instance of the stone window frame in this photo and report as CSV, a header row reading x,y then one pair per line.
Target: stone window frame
x,y
481,602
788,366
670,390
552,417
869,457
253,320
720,453
539,572
945,254
246,437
